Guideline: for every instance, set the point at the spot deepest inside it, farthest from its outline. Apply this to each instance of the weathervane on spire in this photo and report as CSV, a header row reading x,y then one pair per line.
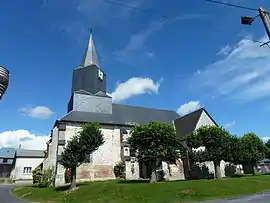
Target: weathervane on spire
x,y
90,30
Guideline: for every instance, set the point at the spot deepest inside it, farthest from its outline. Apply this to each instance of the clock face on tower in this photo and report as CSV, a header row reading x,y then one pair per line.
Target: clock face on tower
x,y
100,74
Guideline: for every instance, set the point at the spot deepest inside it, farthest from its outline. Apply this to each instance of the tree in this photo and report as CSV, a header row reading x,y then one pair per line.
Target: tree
x,y
253,149
267,143
155,142
88,140
236,153
267,148
216,146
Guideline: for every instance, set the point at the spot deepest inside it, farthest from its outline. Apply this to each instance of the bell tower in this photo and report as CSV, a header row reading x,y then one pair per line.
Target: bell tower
x,y
88,92
88,76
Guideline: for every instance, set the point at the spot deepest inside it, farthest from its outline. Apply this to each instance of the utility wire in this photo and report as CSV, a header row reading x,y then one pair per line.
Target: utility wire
x,y
135,8
232,5
126,5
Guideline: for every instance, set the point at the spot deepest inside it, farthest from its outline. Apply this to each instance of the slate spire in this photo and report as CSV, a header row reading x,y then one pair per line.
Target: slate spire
x,y
90,55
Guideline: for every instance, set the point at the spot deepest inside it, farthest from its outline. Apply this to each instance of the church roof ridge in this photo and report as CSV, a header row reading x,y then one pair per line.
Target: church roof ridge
x,y
143,107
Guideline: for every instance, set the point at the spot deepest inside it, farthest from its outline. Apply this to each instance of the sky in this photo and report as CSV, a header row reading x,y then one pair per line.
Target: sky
x,y
175,55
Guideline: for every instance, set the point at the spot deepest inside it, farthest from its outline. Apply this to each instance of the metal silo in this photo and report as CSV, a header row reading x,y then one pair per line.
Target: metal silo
x,y
4,79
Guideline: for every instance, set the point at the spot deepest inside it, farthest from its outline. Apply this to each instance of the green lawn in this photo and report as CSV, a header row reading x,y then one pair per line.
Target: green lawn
x,y
6,180
139,192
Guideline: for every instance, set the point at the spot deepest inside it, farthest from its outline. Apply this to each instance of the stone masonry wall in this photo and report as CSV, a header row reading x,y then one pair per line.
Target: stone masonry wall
x,y
103,160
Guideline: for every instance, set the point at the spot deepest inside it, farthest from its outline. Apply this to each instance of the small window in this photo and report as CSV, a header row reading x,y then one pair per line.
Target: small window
x,y
27,170
5,160
88,158
100,75
126,151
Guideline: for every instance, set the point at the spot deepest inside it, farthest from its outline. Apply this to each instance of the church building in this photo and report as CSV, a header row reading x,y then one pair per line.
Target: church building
x,y
89,102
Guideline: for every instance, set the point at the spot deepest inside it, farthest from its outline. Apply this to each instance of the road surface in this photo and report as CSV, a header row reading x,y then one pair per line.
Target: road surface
x,y
263,197
6,196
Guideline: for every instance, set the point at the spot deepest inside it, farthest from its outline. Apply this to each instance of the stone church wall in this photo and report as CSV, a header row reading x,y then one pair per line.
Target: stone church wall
x,y
102,161
173,171
50,161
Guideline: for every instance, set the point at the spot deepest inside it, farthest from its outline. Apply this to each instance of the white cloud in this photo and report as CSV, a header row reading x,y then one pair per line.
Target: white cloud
x,y
23,137
243,74
134,48
229,125
133,87
188,107
224,51
265,139
150,54
41,112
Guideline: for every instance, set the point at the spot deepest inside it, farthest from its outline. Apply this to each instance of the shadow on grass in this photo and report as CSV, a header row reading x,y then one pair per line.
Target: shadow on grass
x,y
132,181
145,181
66,187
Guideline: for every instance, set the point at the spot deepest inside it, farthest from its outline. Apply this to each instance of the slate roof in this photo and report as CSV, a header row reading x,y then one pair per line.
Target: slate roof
x,y
7,153
123,115
90,55
83,92
102,94
187,124
30,153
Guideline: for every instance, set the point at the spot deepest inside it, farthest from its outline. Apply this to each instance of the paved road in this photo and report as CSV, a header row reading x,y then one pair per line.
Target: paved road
x,y
6,196
257,198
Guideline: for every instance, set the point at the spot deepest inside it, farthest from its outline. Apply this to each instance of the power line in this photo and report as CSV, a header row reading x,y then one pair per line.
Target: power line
x,y
135,8
232,5
165,17
126,5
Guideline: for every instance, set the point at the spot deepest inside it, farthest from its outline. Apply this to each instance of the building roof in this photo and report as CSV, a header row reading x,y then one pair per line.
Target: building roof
x,y
187,124
90,55
7,152
30,153
123,115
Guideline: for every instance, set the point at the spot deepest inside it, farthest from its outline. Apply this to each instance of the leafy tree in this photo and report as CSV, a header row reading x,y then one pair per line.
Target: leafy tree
x,y
236,153
155,142
216,146
267,143
253,149
88,140
267,148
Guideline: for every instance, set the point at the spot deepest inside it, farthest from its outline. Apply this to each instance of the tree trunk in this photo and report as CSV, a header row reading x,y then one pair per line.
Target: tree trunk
x,y
253,165
73,179
217,169
153,178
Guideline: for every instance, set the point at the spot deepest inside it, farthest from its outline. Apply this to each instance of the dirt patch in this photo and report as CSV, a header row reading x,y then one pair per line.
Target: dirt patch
x,y
188,192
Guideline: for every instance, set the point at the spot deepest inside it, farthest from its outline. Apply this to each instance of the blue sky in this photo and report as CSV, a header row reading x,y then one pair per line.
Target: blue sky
x,y
199,56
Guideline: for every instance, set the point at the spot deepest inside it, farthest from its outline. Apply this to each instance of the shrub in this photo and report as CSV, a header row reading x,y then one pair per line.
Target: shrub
x,y
37,175
238,175
119,169
43,178
257,173
67,176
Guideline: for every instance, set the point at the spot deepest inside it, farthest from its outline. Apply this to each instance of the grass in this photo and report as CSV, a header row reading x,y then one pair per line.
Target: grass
x,y
6,180
141,192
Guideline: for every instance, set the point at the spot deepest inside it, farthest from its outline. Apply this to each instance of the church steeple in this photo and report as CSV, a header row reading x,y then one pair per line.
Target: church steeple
x,y
88,76
90,55
88,92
